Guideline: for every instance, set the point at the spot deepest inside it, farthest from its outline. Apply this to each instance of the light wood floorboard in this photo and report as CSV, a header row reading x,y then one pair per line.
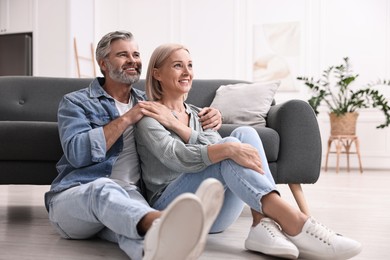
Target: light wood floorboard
x,y
353,204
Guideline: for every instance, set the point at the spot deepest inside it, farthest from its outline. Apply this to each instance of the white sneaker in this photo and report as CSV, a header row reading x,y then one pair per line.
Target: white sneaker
x,y
211,194
177,232
267,238
319,242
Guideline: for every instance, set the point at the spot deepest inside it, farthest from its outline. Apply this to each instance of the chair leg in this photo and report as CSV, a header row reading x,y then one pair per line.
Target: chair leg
x,y
299,197
338,152
358,154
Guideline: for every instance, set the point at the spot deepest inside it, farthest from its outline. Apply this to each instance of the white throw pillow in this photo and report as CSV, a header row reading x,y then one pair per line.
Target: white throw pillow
x,y
244,103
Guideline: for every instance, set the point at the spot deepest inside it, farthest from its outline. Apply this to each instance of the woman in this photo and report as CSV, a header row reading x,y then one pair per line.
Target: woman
x,y
174,162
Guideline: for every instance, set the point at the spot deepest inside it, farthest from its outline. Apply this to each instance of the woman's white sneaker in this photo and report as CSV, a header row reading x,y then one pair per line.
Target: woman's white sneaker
x,y
316,241
267,238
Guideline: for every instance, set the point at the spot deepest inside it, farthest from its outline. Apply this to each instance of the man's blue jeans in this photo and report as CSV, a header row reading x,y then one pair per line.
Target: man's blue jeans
x,y
101,208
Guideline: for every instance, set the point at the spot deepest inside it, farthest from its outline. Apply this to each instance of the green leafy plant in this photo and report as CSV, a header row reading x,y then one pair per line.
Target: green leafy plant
x,y
334,89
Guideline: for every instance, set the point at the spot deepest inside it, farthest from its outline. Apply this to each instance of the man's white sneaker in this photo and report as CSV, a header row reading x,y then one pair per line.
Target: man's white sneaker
x,y
177,232
319,242
211,194
267,238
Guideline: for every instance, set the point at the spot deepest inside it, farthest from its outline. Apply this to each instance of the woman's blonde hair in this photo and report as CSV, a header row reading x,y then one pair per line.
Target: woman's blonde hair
x,y
159,56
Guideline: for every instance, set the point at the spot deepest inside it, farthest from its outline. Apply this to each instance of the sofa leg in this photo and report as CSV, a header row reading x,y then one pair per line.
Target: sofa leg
x,y
299,197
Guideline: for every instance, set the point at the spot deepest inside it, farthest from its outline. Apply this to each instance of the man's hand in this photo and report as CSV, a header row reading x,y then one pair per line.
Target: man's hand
x,y
114,129
210,118
134,114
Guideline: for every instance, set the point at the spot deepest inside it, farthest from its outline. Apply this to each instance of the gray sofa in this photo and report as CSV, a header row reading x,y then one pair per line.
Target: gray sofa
x,y
30,147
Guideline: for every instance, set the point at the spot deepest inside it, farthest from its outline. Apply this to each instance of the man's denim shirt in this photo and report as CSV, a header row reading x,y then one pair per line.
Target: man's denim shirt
x,y
81,117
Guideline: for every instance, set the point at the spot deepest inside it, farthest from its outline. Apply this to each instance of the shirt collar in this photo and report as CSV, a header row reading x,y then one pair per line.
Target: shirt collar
x,y
96,88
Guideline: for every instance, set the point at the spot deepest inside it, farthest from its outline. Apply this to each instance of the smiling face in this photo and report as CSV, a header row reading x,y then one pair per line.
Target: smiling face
x,y
175,75
123,64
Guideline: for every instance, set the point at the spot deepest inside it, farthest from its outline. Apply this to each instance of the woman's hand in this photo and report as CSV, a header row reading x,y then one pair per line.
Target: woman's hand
x,y
247,156
243,154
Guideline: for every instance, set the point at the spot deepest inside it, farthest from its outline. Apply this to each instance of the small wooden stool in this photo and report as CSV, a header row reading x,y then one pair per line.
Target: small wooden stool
x,y
343,141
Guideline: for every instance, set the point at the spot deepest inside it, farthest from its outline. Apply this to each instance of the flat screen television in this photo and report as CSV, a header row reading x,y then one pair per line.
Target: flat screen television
x,y
16,54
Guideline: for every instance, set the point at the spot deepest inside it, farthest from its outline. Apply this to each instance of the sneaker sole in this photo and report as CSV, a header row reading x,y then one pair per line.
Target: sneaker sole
x,y
345,255
179,230
278,252
211,195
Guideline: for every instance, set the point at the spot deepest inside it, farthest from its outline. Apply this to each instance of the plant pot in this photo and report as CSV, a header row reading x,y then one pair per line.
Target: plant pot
x,y
343,124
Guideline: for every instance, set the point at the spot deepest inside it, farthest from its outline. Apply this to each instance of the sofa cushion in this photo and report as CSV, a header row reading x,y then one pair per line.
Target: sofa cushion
x,y
29,141
203,91
25,98
246,104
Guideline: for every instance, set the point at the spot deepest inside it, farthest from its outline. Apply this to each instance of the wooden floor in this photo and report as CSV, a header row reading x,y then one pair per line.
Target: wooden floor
x,y
353,204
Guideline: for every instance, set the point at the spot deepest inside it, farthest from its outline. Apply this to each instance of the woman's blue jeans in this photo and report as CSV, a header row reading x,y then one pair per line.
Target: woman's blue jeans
x,y
242,185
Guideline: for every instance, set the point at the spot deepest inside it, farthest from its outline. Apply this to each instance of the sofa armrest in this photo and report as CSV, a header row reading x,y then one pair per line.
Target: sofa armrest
x,y
299,159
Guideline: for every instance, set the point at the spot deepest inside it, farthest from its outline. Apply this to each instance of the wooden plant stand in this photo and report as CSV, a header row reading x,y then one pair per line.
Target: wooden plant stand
x,y
343,145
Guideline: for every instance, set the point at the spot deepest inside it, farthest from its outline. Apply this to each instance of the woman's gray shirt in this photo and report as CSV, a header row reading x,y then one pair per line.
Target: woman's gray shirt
x,y
164,155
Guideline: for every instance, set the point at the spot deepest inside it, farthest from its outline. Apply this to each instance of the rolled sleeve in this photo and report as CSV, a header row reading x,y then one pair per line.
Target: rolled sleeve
x,y
194,137
205,155
98,144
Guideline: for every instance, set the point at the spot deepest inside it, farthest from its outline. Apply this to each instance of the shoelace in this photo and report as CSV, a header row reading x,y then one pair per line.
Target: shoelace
x,y
320,231
272,227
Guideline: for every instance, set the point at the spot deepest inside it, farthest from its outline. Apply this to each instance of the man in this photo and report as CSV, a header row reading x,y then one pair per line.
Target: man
x,y
96,192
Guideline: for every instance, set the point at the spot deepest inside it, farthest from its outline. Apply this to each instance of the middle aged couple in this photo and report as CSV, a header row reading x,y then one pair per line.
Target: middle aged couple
x,y
193,182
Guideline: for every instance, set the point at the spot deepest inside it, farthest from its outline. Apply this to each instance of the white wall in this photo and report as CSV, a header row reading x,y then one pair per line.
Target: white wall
x,y
55,24
81,19
50,54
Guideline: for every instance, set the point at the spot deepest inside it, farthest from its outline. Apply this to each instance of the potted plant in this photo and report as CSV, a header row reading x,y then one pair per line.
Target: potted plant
x,y
335,90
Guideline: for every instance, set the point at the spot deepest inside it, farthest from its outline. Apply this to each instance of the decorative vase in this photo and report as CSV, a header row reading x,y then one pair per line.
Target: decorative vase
x,y
343,124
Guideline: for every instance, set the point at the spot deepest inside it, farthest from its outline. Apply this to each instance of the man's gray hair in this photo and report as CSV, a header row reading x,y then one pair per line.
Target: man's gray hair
x,y
104,46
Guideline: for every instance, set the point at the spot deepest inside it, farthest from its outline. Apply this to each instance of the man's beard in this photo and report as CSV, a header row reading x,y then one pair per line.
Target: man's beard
x,y
118,74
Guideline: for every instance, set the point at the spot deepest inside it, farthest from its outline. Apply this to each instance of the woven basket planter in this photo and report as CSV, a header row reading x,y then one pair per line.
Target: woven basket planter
x,y
343,125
